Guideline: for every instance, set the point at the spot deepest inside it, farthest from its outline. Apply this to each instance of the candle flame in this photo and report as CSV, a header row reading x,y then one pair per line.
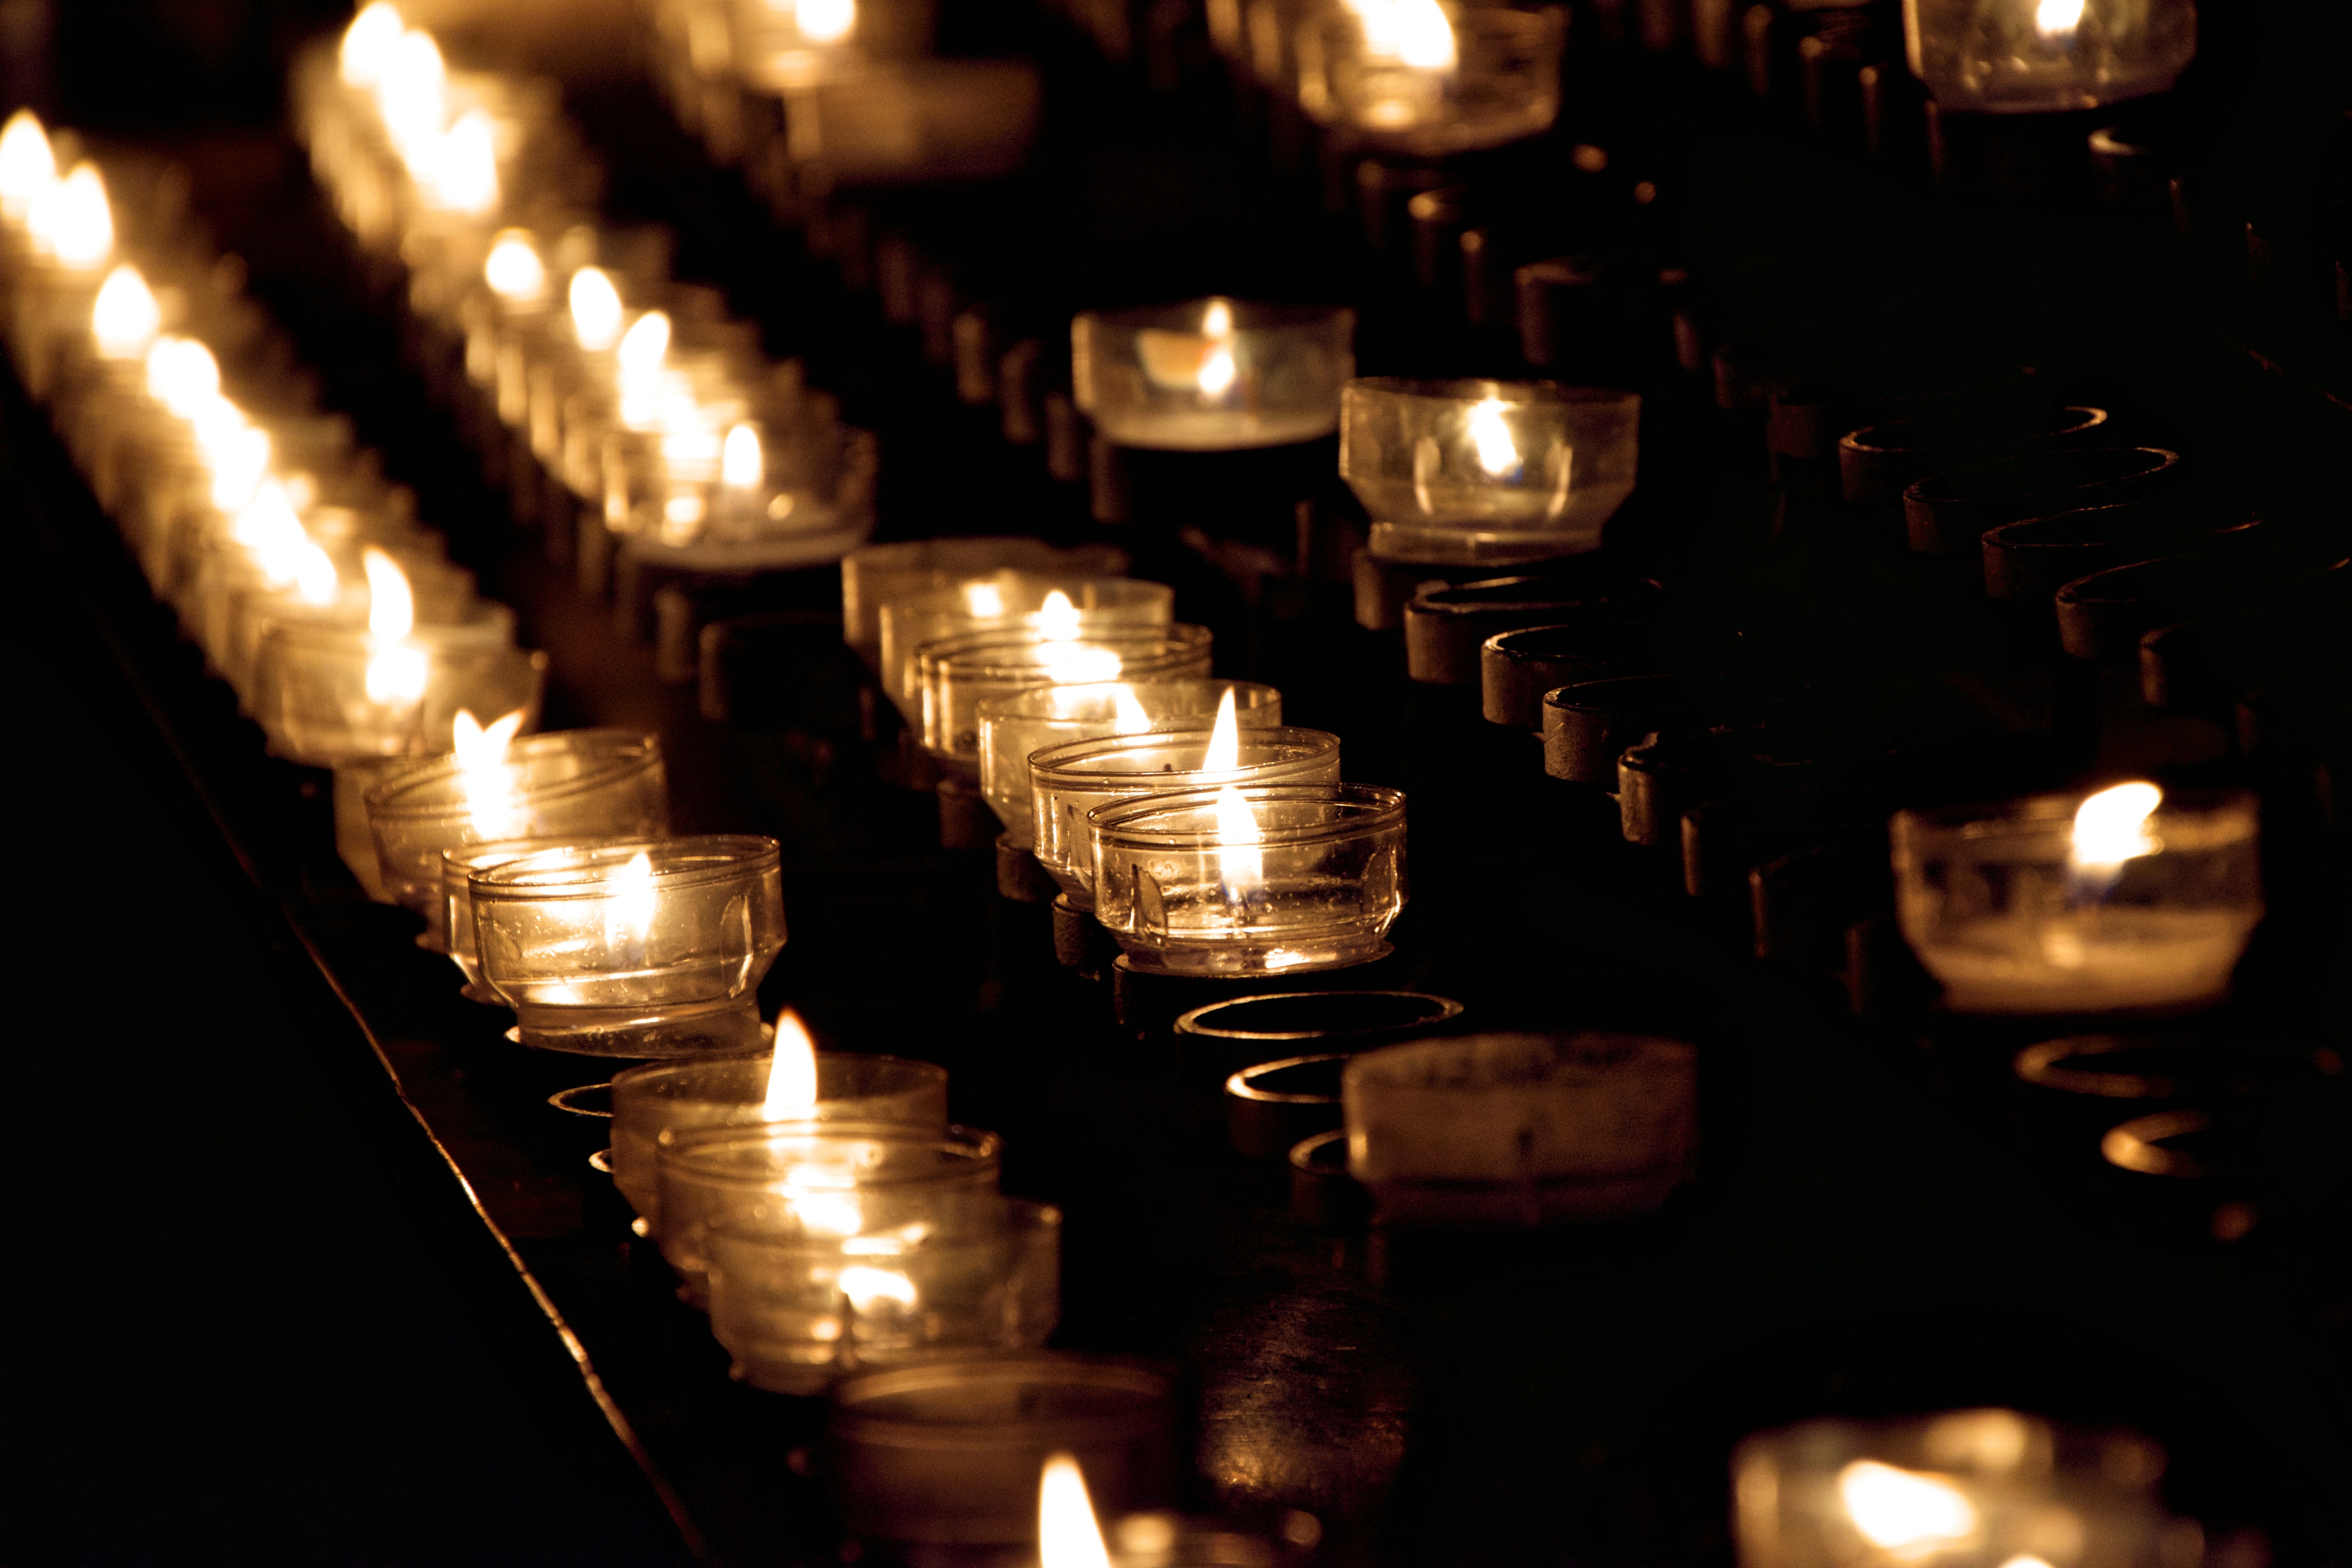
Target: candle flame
x,y
479,746
1224,752
1217,320
409,87
1132,719
1414,33
1497,453
596,310
1217,371
124,318
984,600
366,41
791,1072
742,465
238,452
629,908
2055,19
71,221
464,166
1058,618
397,670
1068,1536
2111,826
316,581
867,1285
1899,1509
392,607
646,342
493,798
1240,862
513,269
271,531
182,374
28,165
826,21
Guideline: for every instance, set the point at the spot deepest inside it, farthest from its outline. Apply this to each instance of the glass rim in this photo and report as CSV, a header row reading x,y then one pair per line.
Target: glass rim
x,y
1014,1218
1454,390
629,751
2053,810
664,1065
730,856
950,597
1191,1023
1184,315
2056,424
1172,639
467,858
690,1150
1008,707
353,637
1313,744
1368,808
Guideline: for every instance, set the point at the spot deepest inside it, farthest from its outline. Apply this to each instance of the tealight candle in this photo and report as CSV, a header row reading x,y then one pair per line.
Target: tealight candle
x,y
1013,729
1256,879
796,1312
1212,375
1415,76
2123,901
813,1181
878,574
1477,471
469,738
327,698
570,784
1049,603
1069,780
960,673
1959,1486
1521,1129
648,948
2047,55
454,933
793,1082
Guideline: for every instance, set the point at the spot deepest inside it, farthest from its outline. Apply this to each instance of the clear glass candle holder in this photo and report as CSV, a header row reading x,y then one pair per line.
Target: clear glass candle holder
x,y
568,785
325,696
876,575
1474,471
731,1090
960,673
2024,906
1417,78
455,929
1066,783
1958,1489
1007,602
1251,880
1011,729
1212,375
1482,1131
797,1312
643,948
2010,56
815,1181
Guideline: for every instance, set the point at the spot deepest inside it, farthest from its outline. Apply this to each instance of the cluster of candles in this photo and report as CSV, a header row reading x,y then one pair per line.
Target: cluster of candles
x,y
305,577
631,419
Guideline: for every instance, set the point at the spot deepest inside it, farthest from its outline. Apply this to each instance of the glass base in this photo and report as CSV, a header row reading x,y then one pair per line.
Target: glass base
x,y
1306,954
1437,545
683,1031
1525,1205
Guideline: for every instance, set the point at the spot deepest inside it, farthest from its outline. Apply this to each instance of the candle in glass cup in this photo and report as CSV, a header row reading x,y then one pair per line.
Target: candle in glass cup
x,y
2126,900
1006,602
878,574
2047,55
960,673
1212,375
1251,880
649,948
1013,729
1415,76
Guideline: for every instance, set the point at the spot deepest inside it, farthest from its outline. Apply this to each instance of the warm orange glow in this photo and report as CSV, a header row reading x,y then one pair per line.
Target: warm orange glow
x,y
182,374
513,269
316,581
629,908
464,174
792,1071
28,165
984,600
1240,862
366,43
596,310
826,21
71,221
479,746
2111,826
1058,618
1224,751
397,670
492,800
1068,1535
1497,453
411,96
1132,719
239,452
124,317
646,343
1903,1510
742,465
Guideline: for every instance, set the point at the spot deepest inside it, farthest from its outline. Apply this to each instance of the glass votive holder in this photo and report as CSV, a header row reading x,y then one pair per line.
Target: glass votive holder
x,y
458,865
354,838
796,1313
1212,375
1251,880
634,948
1474,471
324,695
1013,728
874,575
1067,782
689,1093
2046,56
813,1181
1409,76
2127,900
1512,1130
569,785
960,673
1958,1488
1007,602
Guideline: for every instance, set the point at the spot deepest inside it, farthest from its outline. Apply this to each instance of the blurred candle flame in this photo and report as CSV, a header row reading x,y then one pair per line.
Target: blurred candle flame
x,y
71,221
792,1071
366,43
629,908
742,465
182,374
1132,719
1224,752
392,607
1497,453
985,600
826,21
1068,1536
238,452
28,166
1900,1509
397,670
2055,19
124,318
464,166
493,801
2111,827
316,581
646,343
513,269
1240,862
596,310
1217,368
867,1285
410,85
1058,618
1414,33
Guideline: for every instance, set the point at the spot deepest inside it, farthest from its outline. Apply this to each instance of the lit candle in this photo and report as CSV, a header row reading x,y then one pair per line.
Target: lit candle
x,y
2047,55
879,573
1212,375
2121,900
1045,603
960,673
1414,75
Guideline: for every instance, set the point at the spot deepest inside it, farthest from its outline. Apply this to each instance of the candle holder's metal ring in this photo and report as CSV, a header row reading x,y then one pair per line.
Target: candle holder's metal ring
x,y
582,1099
2139,1144
2043,1065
